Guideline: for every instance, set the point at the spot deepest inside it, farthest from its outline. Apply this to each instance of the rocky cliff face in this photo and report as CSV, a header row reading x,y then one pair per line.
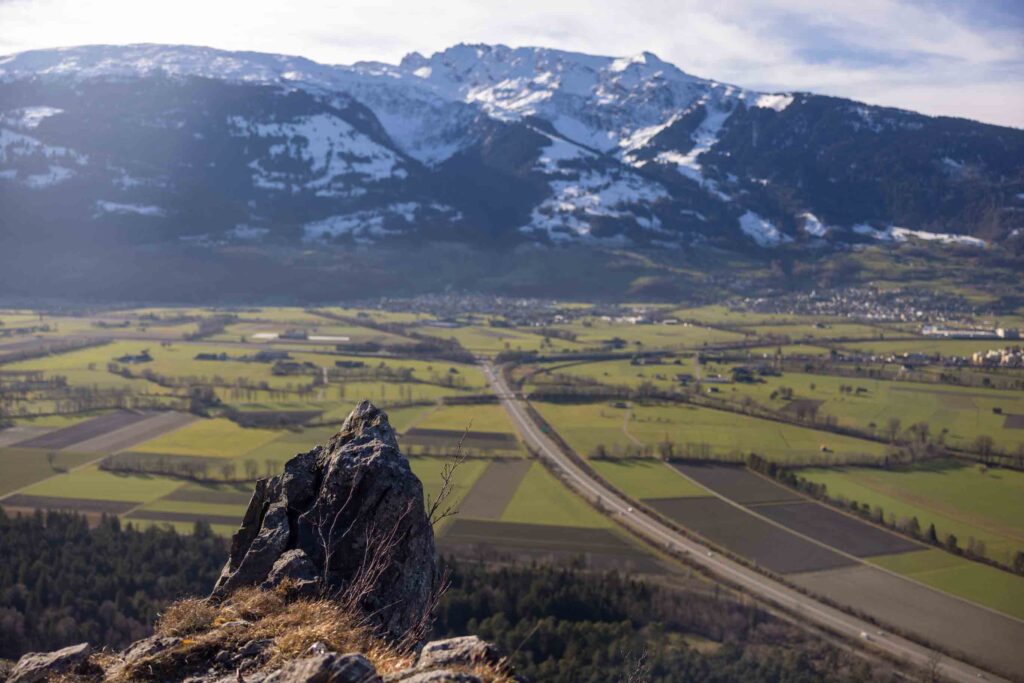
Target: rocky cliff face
x,y
346,521
331,578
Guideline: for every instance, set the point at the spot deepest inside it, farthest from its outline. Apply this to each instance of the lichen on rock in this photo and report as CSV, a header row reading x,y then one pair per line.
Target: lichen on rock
x,y
347,520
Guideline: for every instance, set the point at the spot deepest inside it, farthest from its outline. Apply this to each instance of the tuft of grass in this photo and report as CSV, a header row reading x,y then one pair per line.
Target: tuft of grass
x,y
292,624
185,617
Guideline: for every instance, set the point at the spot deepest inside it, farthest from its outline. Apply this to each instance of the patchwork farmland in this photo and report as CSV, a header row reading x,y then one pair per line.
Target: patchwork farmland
x,y
169,415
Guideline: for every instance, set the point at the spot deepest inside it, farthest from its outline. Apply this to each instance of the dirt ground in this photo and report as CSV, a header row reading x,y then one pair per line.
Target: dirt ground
x,y
162,516
20,433
449,438
755,539
135,433
601,549
26,502
493,491
736,483
83,431
957,625
215,496
836,529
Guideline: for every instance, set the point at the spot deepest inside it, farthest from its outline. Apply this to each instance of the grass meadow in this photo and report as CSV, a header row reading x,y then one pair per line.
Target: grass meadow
x,y
968,501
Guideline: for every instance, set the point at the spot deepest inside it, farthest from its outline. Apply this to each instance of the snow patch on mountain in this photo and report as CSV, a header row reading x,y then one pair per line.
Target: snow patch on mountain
x,y
577,203
762,231
903,234
28,155
245,232
369,225
812,225
895,233
14,145
54,175
330,146
103,206
558,152
777,101
28,118
704,138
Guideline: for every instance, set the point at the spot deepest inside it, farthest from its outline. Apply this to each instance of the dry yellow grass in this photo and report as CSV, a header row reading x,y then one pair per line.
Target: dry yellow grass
x,y
185,617
293,625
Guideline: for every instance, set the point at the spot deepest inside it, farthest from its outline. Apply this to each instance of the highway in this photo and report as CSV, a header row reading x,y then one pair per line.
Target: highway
x,y
746,579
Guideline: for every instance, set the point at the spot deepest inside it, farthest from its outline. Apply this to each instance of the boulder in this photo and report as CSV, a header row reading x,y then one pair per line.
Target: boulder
x,y
463,651
327,668
147,647
438,676
350,514
39,666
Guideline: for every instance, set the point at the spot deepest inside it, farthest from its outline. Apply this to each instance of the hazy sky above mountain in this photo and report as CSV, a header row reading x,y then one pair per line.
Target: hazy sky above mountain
x,y
935,56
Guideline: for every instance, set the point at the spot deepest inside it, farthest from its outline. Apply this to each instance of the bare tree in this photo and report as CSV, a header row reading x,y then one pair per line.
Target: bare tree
x,y
933,669
436,508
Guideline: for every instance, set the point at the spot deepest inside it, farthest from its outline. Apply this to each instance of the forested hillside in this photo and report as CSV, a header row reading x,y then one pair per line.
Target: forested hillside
x,y
66,583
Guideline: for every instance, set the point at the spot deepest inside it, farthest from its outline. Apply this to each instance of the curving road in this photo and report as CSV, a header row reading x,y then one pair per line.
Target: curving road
x,y
746,579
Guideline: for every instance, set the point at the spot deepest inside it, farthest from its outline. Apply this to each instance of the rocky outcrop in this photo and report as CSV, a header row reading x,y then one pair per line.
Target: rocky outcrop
x,y
42,666
327,668
331,578
348,520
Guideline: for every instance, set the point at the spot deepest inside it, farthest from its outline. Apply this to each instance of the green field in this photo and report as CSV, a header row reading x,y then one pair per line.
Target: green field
x,y
769,352
216,437
797,332
477,418
721,315
88,367
964,412
999,590
94,484
489,341
429,472
20,467
703,430
647,479
595,332
621,372
542,499
967,501
943,347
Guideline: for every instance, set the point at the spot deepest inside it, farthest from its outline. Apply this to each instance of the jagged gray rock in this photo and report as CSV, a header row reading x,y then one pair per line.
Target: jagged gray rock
x,y
439,676
327,668
295,566
351,512
148,647
462,651
39,666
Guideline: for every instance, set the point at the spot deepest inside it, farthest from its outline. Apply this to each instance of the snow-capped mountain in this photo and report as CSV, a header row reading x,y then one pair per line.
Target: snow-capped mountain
x,y
477,143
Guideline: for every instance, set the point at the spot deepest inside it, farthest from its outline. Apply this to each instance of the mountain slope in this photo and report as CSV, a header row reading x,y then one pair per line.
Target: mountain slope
x,y
490,145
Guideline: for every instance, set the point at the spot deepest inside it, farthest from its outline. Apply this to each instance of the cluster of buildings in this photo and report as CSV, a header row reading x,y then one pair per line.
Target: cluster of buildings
x,y
866,303
970,332
1007,357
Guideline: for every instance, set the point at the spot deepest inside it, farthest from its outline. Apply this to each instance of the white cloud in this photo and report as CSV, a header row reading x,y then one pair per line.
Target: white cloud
x,y
929,55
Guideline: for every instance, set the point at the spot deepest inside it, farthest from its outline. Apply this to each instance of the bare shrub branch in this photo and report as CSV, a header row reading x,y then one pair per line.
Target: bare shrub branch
x,y
435,511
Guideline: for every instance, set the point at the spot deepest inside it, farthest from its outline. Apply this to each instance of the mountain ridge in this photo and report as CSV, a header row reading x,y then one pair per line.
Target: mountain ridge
x,y
480,143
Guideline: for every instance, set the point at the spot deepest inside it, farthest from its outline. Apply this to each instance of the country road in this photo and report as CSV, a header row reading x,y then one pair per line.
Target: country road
x,y
746,579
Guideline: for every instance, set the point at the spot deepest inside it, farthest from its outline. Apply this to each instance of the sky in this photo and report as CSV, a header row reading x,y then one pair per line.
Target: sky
x,y
957,58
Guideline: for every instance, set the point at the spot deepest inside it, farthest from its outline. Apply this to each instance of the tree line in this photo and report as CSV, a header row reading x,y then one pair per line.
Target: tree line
x,y
63,583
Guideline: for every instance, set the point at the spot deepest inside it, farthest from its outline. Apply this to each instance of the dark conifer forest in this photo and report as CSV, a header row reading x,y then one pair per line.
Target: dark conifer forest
x,y
64,583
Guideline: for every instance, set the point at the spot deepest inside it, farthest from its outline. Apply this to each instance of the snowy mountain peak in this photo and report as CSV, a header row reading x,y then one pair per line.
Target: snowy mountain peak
x,y
527,141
